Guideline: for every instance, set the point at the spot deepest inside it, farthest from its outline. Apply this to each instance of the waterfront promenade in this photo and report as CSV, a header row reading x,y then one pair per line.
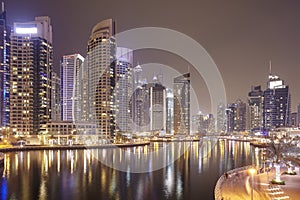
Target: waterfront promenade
x,y
238,186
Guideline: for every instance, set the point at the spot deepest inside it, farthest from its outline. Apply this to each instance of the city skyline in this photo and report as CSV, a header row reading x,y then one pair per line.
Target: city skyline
x,y
241,37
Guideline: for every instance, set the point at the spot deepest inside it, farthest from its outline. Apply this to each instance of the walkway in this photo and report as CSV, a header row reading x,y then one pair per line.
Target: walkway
x,y
238,186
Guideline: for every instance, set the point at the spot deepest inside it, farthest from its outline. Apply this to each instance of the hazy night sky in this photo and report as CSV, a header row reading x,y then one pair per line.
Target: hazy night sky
x,y
241,36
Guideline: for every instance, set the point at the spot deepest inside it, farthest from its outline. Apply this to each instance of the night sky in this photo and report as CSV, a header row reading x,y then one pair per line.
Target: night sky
x,y
241,36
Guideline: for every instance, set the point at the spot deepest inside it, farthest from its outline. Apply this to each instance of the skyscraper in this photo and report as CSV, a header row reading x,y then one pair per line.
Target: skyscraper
x,y
221,118
182,104
70,66
255,103
140,104
276,104
4,69
157,109
55,98
31,67
170,112
230,115
123,89
101,69
240,118
236,117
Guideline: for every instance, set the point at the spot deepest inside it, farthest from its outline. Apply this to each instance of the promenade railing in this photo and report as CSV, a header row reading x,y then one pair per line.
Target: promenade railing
x,y
218,187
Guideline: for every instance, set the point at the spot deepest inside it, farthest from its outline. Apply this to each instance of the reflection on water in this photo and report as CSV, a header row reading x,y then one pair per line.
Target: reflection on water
x,y
79,174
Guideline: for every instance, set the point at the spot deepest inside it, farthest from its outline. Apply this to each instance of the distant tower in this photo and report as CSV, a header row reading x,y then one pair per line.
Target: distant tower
x,y
138,102
70,66
240,118
276,103
101,67
4,69
55,98
170,112
182,104
123,89
157,94
31,56
221,118
236,117
255,103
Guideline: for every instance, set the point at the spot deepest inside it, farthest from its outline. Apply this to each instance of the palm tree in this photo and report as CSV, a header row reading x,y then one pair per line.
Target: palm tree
x,y
279,147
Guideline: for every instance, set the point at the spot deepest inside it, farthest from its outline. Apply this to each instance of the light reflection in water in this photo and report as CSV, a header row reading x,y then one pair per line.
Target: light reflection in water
x,y
79,174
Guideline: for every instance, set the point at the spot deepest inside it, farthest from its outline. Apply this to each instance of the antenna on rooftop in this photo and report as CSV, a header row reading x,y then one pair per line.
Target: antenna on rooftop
x,y
270,67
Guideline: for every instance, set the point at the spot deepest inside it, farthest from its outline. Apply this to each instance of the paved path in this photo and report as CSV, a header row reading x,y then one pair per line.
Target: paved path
x,y
238,186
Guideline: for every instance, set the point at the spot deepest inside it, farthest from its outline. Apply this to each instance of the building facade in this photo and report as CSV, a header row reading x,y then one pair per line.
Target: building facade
x,y
5,32
55,98
31,67
236,117
170,112
294,120
70,66
182,104
221,118
276,104
255,104
157,109
101,76
123,90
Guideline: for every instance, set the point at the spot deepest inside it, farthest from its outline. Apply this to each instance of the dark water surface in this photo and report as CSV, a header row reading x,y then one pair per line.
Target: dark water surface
x,y
78,174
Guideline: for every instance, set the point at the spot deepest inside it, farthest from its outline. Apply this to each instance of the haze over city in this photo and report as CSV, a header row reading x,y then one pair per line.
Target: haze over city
x,y
240,36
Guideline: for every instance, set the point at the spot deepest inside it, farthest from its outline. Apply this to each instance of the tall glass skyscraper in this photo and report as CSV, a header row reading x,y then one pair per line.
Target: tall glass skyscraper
x,y
123,90
182,104
30,76
70,66
277,104
255,103
221,118
101,69
55,97
170,112
4,69
157,107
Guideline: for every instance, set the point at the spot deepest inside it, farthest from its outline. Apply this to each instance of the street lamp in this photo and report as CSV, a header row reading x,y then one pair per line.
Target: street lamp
x,y
252,172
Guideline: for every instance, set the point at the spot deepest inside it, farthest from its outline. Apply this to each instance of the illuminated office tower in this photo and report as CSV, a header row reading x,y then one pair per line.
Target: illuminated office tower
x,y
255,103
221,118
70,66
230,117
4,69
182,104
170,112
55,98
240,118
31,67
157,107
236,117
123,90
137,76
276,103
140,104
101,67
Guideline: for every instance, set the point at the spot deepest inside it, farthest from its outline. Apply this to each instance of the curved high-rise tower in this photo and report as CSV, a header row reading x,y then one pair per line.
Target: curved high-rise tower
x,y
101,67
